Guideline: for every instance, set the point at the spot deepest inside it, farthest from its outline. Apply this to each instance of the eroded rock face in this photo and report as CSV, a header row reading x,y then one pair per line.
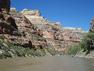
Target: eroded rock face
x,y
31,12
34,16
36,30
5,5
92,25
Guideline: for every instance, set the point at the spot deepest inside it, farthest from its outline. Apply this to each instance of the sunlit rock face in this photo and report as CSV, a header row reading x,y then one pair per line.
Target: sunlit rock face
x,y
34,16
5,5
28,26
31,12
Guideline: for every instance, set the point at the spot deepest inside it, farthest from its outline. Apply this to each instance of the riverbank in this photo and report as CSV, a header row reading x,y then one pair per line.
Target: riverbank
x,y
84,55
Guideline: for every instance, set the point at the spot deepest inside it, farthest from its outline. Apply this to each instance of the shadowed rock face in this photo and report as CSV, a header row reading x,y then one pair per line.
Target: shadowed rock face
x,y
5,4
92,25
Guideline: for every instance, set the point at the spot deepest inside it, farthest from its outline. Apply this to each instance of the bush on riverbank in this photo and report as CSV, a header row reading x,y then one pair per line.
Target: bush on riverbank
x,y
86,45
9,50
74,49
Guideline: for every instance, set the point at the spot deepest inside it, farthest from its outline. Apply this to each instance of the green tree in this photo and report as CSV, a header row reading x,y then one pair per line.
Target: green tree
x,y
88,42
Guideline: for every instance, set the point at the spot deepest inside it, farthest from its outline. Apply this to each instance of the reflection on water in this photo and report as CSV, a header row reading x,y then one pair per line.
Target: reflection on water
x,y
55,63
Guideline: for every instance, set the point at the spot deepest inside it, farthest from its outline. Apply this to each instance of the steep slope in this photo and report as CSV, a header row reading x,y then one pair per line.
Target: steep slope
x,y
28,33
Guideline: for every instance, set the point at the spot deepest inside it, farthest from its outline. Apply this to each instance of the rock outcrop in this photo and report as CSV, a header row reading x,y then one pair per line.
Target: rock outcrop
x,y
29,29
34,16
5,5
92,25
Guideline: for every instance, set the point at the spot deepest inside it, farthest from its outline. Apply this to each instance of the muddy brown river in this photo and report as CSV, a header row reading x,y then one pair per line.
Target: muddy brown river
x,y
48,63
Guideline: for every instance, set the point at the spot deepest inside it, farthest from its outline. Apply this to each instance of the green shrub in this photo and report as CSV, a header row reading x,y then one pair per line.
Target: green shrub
x,y
11,50
5,54
74,49
51,50
88,42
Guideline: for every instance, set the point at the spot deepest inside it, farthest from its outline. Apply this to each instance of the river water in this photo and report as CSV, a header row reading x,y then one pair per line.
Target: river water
x,y
48,63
